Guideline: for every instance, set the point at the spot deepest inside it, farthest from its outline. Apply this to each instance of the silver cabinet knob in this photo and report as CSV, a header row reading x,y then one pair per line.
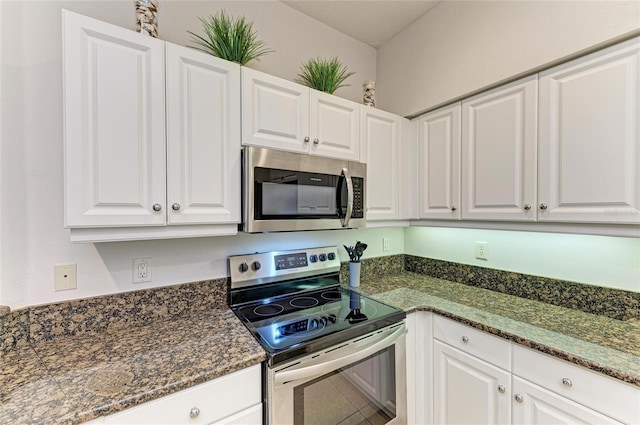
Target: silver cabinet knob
x,y
543,206
453,208
518,398
175,206
194,413
501,388
465,339
306,139
527,207
567,382
316,141
157,207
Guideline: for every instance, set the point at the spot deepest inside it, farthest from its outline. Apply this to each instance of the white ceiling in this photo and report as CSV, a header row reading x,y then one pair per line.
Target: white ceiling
x,y
371,21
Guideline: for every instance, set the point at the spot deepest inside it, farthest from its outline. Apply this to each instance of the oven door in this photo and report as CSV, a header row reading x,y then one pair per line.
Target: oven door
x,y
285,191
359,381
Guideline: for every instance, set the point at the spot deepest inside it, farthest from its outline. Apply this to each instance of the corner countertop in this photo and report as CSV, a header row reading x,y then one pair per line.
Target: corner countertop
x,y
602,344
76,379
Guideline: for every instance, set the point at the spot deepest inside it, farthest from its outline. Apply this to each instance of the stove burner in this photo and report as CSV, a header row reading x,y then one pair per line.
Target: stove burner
x,y
332,295
303,302
267,310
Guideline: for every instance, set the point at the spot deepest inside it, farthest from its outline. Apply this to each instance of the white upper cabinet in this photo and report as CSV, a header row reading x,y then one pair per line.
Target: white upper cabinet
x,y
381,137
439,163
334,126
280,114
203,138
499,153
114,126
125,178
590,138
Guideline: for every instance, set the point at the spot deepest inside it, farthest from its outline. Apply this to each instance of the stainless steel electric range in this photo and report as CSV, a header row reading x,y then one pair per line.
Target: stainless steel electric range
x,y
321,338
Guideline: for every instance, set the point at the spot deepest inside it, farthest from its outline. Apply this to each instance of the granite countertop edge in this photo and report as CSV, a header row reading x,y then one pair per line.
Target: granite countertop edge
x,y
473,317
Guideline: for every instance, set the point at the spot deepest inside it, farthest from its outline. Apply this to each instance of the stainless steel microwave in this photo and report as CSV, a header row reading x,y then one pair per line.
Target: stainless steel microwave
x,y
285,191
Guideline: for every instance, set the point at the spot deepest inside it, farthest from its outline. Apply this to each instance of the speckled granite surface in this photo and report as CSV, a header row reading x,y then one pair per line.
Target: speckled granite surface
x,y
14,330
606,345
123,310
75,379
614,303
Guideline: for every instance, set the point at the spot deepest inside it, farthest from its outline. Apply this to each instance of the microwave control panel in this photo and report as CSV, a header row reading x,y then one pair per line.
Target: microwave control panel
x,y
358,197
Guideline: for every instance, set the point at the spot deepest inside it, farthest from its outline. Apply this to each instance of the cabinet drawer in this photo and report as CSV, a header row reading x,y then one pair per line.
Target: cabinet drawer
x,y
604,394
489,348
215,400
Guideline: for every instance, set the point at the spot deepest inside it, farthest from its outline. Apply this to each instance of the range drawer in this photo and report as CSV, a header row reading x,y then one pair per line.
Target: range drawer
x,y
607,395
489,348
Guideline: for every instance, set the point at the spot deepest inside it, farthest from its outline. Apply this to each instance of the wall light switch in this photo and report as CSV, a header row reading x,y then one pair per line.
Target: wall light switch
x,y
65,277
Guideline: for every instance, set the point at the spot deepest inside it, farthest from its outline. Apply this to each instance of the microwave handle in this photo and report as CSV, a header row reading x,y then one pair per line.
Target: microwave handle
x,y
344,220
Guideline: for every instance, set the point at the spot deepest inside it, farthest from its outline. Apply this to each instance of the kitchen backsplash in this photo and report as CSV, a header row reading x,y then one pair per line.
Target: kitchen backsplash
x,y
118,311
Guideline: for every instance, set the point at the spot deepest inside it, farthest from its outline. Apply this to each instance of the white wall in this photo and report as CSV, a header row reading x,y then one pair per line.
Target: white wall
x,y
462,46
31,174
607,261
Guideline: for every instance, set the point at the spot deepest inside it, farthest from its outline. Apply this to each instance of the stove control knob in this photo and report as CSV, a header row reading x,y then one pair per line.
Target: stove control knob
x,y
313,324
332,318
323,321
313,258
331,256
255,266
243,267
322,257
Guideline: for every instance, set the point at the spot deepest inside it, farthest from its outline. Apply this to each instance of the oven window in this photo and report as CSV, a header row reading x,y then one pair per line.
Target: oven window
x,y
361,393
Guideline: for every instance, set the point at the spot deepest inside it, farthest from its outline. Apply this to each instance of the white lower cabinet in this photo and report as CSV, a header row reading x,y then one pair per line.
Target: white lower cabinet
x,y
482,379
419,367
536,406
235,398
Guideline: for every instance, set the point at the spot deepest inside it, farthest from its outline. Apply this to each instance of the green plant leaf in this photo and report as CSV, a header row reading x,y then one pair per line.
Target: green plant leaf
x,y
229,38
326,75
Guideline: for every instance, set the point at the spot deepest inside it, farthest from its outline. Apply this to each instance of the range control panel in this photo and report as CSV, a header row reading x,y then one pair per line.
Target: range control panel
x,y
267,267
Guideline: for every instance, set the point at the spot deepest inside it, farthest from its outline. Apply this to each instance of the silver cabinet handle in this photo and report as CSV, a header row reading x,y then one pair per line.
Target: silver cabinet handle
x,y
567,382
543,206
518,398
306,139
465,339
194,413
316,141
453,208
157,207
527,207
175,206
501,388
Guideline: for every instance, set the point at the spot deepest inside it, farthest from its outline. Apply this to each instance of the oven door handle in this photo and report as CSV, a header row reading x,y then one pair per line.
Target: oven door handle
x,y
323,368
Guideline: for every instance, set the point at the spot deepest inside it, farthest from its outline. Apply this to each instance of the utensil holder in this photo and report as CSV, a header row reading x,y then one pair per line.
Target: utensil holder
x,y
354,274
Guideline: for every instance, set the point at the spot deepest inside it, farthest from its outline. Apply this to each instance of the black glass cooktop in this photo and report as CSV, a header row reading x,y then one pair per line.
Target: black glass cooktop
x,y
312,320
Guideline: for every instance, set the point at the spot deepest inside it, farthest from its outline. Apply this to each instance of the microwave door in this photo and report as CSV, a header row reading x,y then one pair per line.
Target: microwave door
x,y
344,198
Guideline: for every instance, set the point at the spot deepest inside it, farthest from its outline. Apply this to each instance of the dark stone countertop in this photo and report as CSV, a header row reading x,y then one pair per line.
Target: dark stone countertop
x,y
602,344
76,379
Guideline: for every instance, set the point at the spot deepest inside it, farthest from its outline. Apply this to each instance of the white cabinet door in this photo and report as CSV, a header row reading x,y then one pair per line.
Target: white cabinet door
x,y
468,390
114,127
439,163
203,138
275,112
534,405
381,132
499,153
334,129
590,138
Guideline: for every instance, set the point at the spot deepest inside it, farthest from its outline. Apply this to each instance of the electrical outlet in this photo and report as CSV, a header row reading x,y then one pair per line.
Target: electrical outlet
x,y
141,270
65,277
482,250
385,244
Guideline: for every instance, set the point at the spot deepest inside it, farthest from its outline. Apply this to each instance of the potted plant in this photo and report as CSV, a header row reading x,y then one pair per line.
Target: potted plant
x,y
355,254
229,38
326,75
